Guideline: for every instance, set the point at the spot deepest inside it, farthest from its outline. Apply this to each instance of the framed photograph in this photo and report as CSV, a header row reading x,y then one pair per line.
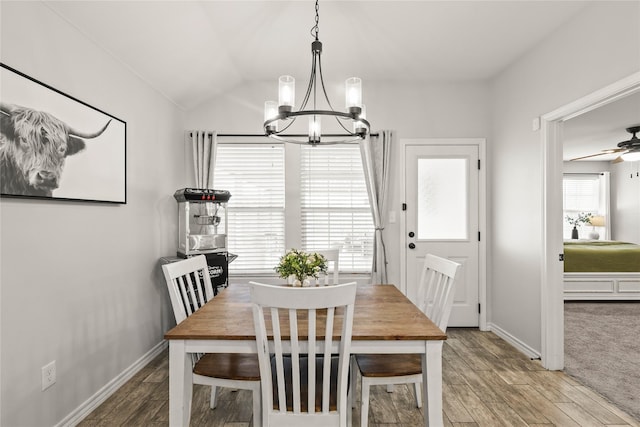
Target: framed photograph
x,y
54,146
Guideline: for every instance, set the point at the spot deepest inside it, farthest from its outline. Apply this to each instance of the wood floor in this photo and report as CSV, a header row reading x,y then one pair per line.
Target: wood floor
x,y
486,383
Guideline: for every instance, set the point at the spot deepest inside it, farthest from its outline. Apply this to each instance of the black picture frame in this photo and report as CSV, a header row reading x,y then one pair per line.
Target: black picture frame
x,y
56,147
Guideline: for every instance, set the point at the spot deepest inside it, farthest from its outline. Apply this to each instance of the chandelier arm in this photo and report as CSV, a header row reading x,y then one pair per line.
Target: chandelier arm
x,y
312,78
320,113
341,125
288,125
326,97
336,114
353,140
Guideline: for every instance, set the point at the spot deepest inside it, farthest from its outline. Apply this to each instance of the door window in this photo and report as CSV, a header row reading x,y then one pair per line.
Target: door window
x,y
442,199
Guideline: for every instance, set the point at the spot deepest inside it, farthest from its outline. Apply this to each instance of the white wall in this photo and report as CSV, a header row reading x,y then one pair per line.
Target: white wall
x,y
596,48
428,111
585,167
625,202
79,281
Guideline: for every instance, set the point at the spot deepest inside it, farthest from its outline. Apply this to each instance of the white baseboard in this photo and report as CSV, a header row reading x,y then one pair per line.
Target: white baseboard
x,y
111,387
521,346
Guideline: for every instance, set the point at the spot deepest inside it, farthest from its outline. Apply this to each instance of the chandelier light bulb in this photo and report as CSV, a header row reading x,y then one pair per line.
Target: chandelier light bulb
x,y
315,129
271,112
353,93
286,92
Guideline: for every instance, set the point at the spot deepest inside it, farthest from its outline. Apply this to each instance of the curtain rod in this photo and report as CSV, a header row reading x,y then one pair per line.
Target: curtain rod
x,y
256,135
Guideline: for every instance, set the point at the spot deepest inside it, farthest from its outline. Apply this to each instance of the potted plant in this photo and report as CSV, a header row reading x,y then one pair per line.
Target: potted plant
x,y
581,218
301,266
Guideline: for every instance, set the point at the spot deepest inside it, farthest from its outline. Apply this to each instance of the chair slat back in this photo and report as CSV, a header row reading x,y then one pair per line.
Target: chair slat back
x,y
287,335
333,258
189,285
437,288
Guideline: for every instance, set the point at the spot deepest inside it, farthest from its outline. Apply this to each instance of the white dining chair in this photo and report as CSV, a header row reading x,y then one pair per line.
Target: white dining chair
x,y
190,288
435,296
333,259
303,384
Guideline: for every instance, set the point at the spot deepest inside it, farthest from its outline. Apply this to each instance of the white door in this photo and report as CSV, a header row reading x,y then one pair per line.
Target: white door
x,y
441,197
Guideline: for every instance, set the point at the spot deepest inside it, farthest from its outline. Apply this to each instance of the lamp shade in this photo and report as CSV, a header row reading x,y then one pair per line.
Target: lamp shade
x,y
353,92
597,221
286,92
631,156
315,129
271,112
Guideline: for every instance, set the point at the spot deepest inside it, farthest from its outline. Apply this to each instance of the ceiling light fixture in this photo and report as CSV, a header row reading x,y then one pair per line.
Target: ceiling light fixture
x,y
283,110
631,156
632,145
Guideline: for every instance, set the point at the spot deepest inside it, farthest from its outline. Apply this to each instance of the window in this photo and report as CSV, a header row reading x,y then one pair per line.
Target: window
x,y
588,193
334,205
254,175
326,203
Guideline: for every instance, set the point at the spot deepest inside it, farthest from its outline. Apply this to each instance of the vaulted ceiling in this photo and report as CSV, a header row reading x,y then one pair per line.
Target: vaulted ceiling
x,y
192,51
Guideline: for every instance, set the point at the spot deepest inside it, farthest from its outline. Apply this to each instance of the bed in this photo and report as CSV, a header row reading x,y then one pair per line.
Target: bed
x,y
601,270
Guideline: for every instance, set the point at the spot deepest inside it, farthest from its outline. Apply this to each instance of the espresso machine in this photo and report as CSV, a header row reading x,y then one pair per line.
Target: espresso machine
x,y
202,230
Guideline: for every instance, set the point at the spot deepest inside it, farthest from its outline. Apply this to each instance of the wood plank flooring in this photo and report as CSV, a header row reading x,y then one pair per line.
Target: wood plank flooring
x,y
486,383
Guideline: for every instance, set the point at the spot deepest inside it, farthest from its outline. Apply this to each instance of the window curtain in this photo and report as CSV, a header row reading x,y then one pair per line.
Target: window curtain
x,y
376,162
204,148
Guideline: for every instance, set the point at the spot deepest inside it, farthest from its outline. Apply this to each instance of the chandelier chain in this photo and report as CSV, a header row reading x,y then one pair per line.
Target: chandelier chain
x,y
315,29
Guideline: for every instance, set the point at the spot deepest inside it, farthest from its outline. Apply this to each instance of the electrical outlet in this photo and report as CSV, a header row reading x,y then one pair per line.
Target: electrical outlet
x,y
48,375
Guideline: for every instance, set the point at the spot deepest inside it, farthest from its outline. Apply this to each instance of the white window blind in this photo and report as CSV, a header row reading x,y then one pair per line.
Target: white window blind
x,y
581,193
335,210
254,175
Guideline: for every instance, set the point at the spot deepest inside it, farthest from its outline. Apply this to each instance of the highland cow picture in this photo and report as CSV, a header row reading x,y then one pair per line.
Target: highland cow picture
x,y
55,146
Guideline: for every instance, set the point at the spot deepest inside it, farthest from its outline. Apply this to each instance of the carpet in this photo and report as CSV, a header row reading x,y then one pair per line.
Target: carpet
x,y
602,349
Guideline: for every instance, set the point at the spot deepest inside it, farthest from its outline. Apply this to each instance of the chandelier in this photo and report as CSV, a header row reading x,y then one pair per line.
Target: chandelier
x,y
278,117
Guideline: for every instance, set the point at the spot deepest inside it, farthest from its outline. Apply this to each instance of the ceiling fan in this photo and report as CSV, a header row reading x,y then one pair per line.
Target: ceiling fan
x,y
629,150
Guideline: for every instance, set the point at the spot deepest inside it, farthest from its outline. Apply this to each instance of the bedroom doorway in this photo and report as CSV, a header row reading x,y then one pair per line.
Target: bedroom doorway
x,y
552,307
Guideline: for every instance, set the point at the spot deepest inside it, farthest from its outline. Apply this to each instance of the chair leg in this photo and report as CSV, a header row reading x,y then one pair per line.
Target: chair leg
x,y
353,385
213,401
364,406
257,408
418,389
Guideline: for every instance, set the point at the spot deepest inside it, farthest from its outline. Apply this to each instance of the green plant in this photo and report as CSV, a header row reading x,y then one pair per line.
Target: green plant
x,y
581,218
301,265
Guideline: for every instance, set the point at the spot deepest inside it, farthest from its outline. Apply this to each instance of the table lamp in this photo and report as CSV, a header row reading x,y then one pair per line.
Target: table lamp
x,y
596,221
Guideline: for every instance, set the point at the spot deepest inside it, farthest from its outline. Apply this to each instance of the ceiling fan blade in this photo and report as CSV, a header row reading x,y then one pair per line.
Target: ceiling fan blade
x,y
618,159
609,151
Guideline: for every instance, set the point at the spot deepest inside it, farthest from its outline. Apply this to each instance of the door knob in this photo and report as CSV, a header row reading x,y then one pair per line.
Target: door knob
x,y
412,245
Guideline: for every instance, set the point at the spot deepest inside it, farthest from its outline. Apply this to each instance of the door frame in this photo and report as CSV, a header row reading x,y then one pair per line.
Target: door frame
x,y
482,215
552,292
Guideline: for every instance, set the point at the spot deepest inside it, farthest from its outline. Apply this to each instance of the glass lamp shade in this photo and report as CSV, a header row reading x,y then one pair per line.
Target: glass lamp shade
x,y
315,129
353,93
271,112
286,92
631,156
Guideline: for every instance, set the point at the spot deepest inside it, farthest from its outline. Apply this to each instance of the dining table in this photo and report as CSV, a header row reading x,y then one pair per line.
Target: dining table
x,y
385,321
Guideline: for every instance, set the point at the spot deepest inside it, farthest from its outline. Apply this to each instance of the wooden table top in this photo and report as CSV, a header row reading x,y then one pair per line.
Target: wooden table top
x,y
381,312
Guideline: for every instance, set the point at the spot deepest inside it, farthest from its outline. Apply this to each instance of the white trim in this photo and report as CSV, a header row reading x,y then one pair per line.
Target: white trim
x,y
615,286
519,345
482,215
551,283
111,387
